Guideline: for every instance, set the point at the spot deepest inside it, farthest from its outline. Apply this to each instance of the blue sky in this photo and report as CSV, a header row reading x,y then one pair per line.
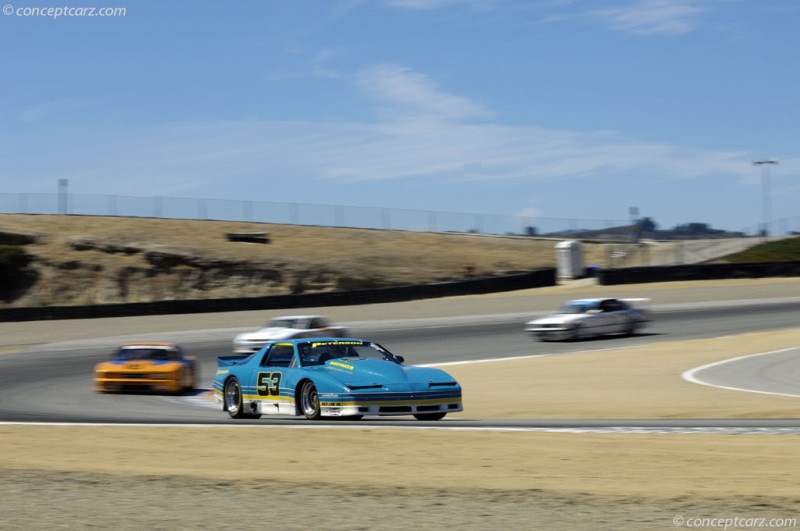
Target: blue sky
x,y
544,108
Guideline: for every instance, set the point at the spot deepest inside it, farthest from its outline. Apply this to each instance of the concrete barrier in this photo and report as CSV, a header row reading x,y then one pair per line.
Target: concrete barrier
x,y
641,275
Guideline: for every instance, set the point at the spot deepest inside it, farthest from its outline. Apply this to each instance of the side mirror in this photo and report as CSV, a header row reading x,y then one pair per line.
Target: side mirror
x,y
400,359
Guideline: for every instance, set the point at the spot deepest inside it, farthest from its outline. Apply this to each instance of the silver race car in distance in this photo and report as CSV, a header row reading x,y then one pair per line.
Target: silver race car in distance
x,y
582,318
287,327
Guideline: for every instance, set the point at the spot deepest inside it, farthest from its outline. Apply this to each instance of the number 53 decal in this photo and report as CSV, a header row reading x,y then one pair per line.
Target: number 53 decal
x,y
269,383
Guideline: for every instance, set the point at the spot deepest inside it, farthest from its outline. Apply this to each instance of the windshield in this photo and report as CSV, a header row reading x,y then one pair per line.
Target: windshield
x,y
319,352
576,308
283,323
148,353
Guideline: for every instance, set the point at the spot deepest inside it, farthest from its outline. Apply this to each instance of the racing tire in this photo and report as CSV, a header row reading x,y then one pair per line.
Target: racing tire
x,y
233,399
577,333
630,330
190,382
309,401
430,416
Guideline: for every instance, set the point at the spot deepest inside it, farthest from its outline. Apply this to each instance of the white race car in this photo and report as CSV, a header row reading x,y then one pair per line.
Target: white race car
x,y
583,318
287,327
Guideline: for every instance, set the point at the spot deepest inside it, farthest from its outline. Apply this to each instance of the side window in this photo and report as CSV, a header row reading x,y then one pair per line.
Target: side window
x,y
280,356
265,357
614,306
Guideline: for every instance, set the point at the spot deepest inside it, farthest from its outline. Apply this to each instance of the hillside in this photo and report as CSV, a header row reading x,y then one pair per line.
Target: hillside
x,y
79,260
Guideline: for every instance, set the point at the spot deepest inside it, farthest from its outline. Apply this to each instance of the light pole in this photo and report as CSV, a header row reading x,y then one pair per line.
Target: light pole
x,y
765,185
62,196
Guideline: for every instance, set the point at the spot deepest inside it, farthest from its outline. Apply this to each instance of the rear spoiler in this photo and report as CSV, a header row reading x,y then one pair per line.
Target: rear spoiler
x,y
226,361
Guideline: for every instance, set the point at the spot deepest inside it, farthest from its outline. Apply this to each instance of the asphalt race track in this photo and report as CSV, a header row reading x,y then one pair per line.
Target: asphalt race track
x,y
53,383
772,373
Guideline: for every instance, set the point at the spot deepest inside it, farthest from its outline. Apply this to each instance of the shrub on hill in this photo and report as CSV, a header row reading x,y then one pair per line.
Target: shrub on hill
x,y
14,275
13,261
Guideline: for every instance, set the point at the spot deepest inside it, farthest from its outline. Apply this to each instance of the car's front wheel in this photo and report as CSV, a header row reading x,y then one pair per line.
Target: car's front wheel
x,y
309,401
189,379
576,334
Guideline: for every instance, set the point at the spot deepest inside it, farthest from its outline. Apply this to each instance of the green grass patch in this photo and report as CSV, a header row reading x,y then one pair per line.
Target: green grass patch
x,y
787,250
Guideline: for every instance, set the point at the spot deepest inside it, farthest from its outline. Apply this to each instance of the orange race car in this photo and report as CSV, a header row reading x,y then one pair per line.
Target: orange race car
x,y
147,366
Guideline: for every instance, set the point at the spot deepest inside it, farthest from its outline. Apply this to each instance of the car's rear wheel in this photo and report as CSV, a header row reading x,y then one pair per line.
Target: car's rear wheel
x,y
430,416
309,401
233,399
630,329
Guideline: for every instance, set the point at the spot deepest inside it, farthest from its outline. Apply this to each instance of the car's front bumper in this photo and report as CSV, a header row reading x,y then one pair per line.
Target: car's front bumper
x,y
550,333
120,384
336,409
347,407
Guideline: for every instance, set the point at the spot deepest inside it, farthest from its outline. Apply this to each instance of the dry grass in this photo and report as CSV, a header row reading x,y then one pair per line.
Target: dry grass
x,y
298,258
416,253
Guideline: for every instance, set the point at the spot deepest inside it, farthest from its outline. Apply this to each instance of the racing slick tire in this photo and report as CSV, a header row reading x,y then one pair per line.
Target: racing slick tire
x,y
232,395
189,380
576,333
430,416
631,329
233,401
309,401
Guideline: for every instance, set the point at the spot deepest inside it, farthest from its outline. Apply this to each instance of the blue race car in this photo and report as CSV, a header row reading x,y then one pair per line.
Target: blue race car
x,y
331,377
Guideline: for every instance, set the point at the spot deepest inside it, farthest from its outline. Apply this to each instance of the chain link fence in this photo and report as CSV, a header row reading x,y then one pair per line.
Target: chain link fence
x,y
296,214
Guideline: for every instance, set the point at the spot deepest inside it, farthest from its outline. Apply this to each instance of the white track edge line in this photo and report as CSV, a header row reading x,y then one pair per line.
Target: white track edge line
x,y
690,375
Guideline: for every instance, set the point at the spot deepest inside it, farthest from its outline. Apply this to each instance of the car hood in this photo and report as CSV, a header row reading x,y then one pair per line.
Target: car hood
x,y
559,318
364,373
